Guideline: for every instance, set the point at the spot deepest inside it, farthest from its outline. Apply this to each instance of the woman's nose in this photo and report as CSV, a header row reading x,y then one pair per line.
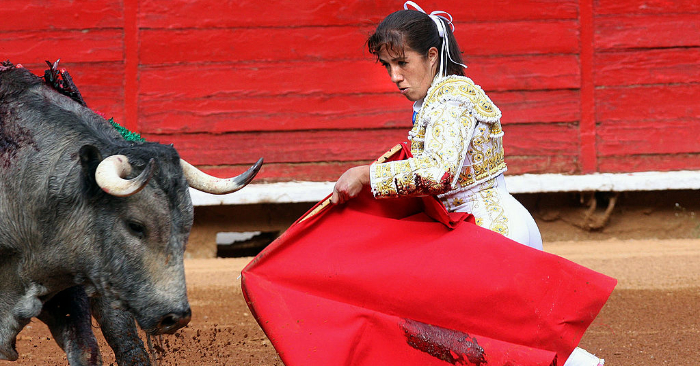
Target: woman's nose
x,y
395,75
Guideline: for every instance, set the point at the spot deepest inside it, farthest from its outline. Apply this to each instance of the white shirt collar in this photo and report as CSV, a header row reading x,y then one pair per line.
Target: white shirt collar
x,y
417,105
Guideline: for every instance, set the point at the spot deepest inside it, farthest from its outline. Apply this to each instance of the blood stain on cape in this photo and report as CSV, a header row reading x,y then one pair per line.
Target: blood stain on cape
x,y
447,345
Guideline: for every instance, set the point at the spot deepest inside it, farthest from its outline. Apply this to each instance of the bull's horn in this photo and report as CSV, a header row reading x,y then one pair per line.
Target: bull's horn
x,y
206,183
111,172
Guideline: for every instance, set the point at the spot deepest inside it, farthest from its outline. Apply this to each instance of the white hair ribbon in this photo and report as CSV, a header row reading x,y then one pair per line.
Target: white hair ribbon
x,y
442,32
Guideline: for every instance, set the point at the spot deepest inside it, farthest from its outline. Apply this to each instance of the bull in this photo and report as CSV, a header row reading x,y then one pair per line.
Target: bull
x,y
90,224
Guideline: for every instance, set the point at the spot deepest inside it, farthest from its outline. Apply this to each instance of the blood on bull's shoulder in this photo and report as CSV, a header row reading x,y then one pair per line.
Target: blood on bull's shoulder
x,y
90,224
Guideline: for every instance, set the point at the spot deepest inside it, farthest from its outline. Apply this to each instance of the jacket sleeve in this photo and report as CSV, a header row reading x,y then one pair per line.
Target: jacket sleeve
x,y
434,171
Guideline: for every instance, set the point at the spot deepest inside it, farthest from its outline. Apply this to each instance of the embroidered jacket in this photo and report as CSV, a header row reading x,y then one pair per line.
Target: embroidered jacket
x,y
456,142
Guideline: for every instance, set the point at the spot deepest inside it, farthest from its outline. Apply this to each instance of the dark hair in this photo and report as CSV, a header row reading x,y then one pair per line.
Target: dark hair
x,y
416,30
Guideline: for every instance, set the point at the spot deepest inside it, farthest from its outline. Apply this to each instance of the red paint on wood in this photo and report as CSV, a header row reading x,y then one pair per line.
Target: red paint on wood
x,y
538,106
264,79
517,37
286,113
32,47
344,77
563,164
283,147
587,129
536,72
607,7
651,162
657,31
34,15
282,13
275,113
651,103
648,137
131,64
549,139
163,46
657,66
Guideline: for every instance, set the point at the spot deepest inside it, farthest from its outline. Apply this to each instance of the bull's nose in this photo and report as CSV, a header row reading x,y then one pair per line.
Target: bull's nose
x,y
174,321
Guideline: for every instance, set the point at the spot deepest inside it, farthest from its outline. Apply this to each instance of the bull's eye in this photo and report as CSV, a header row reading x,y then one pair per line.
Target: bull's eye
x,y
136,229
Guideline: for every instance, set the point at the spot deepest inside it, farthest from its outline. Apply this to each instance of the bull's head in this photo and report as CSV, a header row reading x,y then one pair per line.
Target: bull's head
x,y
149,216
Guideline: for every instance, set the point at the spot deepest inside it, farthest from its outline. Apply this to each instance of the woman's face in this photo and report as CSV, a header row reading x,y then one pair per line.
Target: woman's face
x,y
411,72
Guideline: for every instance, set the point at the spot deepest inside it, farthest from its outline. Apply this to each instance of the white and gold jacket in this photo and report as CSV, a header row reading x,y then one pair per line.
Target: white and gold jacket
x,y
456,142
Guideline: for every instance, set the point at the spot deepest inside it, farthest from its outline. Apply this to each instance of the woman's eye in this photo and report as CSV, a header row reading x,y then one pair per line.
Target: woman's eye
x,y
403,63
136,229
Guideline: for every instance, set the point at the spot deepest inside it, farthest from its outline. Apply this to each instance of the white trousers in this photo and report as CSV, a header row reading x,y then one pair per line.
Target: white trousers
x,y
581,357
496,209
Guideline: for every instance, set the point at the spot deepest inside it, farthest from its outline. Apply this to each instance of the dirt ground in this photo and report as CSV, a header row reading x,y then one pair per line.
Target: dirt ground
x,y
651,318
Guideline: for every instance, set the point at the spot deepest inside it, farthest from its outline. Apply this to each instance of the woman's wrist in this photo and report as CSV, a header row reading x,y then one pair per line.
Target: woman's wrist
x,y
364,174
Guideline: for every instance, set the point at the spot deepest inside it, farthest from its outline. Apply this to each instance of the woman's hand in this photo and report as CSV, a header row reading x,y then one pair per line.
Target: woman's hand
x,y
350,184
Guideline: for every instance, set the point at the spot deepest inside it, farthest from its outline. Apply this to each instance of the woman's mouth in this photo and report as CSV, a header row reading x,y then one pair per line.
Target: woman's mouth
x,y
403,90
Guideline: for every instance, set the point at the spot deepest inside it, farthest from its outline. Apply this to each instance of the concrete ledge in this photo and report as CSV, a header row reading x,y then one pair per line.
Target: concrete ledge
x,y
296,192
604,182
286,192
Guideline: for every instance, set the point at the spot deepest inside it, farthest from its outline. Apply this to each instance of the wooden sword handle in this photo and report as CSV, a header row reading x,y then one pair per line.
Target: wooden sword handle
x,y
327,201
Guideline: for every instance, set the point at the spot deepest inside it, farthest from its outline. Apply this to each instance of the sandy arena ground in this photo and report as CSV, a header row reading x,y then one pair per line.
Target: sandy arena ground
x,y
651,318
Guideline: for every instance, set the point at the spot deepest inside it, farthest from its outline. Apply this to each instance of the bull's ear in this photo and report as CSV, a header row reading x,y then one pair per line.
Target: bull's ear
x,y
90,158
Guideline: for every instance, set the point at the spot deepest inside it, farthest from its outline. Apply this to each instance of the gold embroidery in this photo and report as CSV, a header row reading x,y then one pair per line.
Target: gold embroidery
x,y
495,219
464,87
457,127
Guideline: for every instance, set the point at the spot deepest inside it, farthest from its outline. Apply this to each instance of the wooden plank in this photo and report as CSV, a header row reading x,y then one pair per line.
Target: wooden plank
x,y
163,46
538,106
664,66
281,113
352,145
314,112
343,77
650,103
286,113
518,38
547,139
534,72
282,147
281,13
564,164
648,31
617,7
648,137
263,79
649,163
34,15
71,46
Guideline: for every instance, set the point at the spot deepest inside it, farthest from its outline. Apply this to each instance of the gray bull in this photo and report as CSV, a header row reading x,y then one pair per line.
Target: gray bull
x,y
81,234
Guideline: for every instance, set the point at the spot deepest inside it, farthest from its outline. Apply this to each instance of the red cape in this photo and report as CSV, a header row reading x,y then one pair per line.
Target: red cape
x,y
403,282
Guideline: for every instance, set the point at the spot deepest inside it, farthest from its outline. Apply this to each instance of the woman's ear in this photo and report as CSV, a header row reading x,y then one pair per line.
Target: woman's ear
x,y
433,56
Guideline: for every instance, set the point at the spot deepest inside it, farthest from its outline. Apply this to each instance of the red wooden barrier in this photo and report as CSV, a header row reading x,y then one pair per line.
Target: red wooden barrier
x,y
584,85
